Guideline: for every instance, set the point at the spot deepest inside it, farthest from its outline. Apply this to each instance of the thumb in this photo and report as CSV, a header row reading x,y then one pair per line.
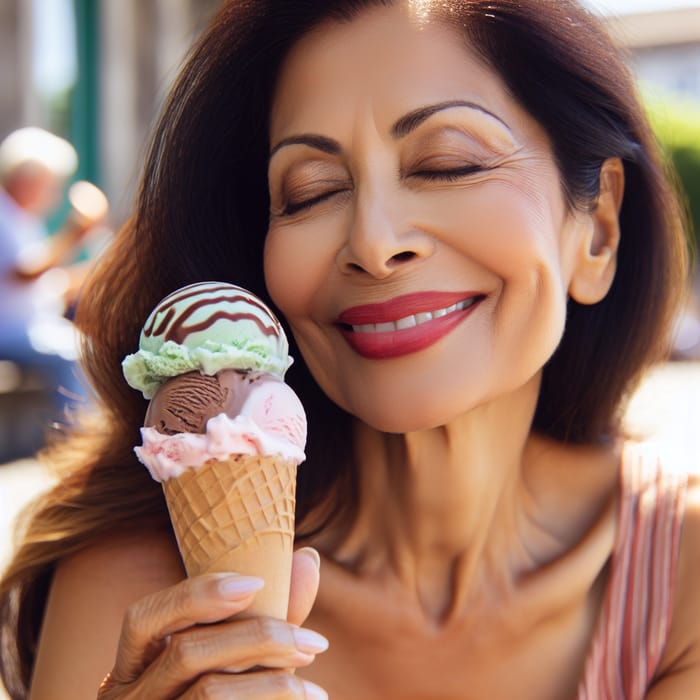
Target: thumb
x,y
304,586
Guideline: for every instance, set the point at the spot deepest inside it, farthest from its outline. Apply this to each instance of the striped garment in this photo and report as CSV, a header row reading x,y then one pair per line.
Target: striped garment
x,y
636,615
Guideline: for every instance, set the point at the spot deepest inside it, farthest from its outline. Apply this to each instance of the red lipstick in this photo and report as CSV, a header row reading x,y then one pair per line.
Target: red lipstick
x,y
405,324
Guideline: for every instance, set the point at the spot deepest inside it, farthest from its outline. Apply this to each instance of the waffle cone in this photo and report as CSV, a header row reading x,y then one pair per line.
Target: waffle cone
x,y
237,515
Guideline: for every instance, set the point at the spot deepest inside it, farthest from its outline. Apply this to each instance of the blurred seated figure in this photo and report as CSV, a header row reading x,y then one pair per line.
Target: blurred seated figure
x,y
41,273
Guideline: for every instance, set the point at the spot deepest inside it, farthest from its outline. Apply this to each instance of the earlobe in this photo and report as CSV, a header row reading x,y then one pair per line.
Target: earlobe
x,y
597,254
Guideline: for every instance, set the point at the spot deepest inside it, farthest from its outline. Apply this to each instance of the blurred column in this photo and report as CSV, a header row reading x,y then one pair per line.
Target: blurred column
x,y
119,76
84,108
16,102
174,37
142,44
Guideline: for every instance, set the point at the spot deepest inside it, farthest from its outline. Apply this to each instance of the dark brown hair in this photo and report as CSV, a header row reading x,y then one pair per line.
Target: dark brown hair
x,y
202,214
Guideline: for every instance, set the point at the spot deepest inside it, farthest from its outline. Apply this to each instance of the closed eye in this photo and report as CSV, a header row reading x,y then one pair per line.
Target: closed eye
x,y
448,174
292,208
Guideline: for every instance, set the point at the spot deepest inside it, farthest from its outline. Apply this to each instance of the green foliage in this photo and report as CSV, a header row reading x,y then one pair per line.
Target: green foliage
x,y
676,122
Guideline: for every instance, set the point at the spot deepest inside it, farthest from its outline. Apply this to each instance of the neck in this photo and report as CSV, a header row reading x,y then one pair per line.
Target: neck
x,y
447,510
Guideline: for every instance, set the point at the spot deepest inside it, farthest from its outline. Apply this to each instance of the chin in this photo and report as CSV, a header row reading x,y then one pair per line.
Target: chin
x,y
401,416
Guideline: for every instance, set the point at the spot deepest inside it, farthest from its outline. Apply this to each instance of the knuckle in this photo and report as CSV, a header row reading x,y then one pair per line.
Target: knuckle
x,y
268,634
181,654
209,688
285,686
136,620
181,598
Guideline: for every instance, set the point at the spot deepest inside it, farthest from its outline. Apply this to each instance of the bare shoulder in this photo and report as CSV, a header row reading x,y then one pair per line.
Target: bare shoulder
x,y
89,594
679,675
132,560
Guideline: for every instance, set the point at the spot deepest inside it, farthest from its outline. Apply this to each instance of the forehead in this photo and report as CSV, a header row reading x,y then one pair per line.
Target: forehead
x,y
388,59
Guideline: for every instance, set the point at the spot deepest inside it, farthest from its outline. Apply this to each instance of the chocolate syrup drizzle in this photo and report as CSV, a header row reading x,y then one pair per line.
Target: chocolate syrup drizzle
x,y
174,327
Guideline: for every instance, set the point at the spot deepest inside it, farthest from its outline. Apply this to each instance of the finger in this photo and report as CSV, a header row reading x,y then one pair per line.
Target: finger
x,y
268,685
148,622
232,647
304,585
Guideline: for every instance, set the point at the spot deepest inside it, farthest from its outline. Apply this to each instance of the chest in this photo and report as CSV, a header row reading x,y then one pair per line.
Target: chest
x,y
378,654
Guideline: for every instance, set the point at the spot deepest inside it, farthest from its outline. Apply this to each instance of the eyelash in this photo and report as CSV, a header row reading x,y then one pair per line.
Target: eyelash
x,y
450,175
292,208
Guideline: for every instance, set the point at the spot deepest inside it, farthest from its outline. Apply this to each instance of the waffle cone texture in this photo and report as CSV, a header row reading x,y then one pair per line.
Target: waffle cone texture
x,y
237,515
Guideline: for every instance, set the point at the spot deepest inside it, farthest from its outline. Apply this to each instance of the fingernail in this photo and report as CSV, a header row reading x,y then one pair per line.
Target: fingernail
x,y
309,642
312,554
240,585
314,692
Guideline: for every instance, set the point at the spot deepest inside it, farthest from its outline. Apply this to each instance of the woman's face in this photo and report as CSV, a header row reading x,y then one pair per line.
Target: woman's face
x,y
419,243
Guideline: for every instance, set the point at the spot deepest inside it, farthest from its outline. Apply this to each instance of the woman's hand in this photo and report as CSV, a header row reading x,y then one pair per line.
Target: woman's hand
x,y
169,647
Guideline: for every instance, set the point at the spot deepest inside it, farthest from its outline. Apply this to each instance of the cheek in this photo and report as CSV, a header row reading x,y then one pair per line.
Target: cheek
x,y
514,234
502,227
517,236
279,276
295,264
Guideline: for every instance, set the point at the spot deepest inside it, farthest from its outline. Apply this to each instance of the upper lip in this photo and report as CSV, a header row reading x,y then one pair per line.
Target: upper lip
x,y
402,306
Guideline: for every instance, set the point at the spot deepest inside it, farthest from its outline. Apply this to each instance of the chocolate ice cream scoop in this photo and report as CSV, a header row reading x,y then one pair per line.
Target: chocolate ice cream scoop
x,y
185,403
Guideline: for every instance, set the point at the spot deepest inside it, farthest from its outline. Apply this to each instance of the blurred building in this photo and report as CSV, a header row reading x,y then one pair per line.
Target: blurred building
x,y
665,48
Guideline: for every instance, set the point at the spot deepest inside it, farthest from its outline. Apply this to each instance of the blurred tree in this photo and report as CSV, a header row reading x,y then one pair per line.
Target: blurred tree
x,y
676,122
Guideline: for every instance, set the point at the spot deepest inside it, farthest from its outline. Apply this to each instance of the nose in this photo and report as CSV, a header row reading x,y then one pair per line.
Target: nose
x,y
379,243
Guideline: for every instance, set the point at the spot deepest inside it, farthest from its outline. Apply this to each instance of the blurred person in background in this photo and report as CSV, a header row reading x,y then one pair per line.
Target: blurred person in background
x,y
40,274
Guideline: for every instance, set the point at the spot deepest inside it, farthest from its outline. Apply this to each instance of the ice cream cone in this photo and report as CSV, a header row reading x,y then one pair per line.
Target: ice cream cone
x,y
238,515
223,432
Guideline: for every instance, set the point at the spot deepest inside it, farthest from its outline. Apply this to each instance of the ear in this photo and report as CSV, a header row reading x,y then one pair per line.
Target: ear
x,y
597,253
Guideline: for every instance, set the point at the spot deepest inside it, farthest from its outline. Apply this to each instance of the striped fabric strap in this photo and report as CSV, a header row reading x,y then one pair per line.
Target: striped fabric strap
x,y
636,614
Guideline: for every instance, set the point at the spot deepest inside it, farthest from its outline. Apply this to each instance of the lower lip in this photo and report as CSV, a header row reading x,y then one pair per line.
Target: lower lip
x,y
383,346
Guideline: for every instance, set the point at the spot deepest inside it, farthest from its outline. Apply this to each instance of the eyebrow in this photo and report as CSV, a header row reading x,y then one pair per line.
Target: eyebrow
x,y
322,143
404,126
414,119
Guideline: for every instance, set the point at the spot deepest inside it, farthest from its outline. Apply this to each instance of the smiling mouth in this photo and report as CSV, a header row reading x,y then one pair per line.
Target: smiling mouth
x,y
405,333
412,320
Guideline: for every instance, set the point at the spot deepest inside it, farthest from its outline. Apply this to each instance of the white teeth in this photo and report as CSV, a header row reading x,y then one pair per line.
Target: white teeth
x,y
414,319
385,327
408,322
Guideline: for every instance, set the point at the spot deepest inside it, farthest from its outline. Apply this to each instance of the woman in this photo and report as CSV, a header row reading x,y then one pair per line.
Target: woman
x,y
475,506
